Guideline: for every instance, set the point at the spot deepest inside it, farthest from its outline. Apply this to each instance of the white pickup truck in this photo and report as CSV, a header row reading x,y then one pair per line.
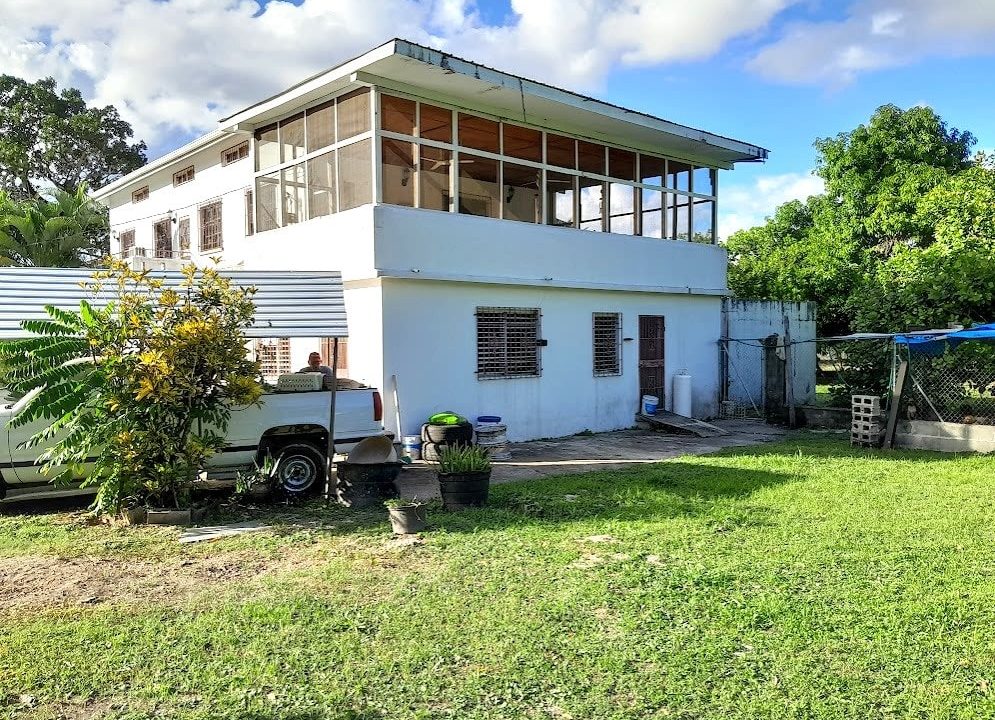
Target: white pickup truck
x,y
291,426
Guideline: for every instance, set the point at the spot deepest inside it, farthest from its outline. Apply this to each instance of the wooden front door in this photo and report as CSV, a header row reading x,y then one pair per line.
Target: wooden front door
x,y
651,347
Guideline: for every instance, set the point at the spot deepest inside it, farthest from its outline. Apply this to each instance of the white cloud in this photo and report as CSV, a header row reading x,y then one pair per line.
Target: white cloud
x,y
878,34
176,66
745,206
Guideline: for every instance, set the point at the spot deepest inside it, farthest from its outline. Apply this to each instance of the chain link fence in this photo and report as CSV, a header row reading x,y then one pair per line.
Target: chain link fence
x,y
743,378
957,386
845,369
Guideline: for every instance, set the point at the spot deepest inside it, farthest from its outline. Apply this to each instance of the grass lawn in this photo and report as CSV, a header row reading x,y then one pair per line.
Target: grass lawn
x,y
794,580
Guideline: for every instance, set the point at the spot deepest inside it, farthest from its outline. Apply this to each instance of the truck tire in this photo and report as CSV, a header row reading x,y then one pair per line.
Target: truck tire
x,y
431,452
300,469
448,434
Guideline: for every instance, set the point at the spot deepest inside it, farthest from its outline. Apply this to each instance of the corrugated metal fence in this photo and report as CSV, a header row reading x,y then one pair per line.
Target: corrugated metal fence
x,y
288,304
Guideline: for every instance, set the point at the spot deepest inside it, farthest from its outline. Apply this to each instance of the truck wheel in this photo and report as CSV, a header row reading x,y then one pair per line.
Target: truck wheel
x,y
461,434
300,469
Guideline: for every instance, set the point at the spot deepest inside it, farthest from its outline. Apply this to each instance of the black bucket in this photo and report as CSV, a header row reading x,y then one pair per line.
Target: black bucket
x,y
363,486
464,490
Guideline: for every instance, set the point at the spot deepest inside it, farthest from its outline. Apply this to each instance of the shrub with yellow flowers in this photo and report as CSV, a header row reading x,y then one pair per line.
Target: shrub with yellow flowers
x,y
144,384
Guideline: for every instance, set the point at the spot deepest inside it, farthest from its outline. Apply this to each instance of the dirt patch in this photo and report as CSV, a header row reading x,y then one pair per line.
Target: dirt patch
x,y
36,581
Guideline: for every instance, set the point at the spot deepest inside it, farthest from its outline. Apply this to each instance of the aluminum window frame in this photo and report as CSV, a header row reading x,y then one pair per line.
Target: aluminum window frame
x,y
544,166
336,145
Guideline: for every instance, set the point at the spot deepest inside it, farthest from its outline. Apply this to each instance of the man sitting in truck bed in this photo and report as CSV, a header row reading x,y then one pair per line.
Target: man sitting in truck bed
x,y
314,365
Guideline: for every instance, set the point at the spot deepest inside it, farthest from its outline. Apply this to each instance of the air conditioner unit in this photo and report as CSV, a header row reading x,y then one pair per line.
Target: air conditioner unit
x,y
300,382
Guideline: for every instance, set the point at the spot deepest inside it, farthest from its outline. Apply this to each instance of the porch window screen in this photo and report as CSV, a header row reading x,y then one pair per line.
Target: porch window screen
x,y
210,227
607,344
508,344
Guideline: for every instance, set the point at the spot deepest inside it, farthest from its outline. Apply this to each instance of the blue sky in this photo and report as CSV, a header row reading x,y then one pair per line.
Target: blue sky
x,y
778,73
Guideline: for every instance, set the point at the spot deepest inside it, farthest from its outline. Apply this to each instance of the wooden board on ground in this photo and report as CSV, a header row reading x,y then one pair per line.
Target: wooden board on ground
x,y
679,424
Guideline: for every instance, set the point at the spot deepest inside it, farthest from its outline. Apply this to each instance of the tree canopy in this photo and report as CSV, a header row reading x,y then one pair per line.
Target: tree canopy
x,y
62,229
52,139
903,236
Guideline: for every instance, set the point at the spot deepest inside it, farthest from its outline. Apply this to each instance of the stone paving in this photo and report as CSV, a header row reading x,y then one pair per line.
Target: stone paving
x,y
602,451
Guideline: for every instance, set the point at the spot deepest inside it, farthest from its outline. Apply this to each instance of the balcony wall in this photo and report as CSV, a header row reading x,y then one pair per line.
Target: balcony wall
x,y
461,247
343,241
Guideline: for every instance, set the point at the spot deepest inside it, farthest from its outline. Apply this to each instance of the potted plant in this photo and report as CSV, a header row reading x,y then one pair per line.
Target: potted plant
x,y
464,477
407,516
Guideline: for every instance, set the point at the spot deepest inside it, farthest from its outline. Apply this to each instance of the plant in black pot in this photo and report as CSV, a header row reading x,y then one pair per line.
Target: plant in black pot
x,y
464,477
407,515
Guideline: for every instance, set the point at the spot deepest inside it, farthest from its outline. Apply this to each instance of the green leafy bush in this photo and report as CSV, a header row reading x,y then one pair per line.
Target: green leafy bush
x,y
144,385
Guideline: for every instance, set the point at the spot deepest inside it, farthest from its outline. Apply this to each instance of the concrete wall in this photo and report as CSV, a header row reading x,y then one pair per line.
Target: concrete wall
x,y
749,321
944,436
452,246
343,241
429,338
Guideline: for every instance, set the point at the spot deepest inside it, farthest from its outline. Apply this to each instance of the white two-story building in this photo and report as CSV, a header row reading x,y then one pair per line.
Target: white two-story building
x,y
508,248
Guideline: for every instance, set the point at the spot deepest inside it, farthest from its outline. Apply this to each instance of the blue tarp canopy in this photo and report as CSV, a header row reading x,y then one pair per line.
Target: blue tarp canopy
x,y
938,344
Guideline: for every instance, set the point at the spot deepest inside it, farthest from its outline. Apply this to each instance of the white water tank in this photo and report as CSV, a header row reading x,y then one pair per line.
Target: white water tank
x,y
682,393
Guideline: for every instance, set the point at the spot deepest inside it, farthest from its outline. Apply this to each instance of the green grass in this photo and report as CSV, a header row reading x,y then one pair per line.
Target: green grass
x,y
796,580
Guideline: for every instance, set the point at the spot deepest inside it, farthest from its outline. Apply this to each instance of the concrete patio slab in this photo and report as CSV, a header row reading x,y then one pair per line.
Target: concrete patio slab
x,y
603,451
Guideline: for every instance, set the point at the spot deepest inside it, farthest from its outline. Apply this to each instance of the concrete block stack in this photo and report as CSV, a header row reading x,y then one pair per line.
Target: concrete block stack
x,y
866,421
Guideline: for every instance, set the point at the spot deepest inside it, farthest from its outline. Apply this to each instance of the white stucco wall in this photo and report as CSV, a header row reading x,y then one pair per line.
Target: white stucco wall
x,y
212,181
430,344
451,245
343,242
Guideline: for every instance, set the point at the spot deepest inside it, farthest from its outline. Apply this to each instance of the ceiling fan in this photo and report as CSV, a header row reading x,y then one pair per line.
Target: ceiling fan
x,y
440,163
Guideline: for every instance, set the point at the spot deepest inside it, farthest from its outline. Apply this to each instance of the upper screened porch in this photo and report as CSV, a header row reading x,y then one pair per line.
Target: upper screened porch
x,y
368,145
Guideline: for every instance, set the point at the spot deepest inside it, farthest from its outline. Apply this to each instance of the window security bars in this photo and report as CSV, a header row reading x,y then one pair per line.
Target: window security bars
x,y
508,344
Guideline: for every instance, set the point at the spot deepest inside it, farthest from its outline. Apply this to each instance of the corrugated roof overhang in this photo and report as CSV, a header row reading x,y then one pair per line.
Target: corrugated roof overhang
x,y
288,304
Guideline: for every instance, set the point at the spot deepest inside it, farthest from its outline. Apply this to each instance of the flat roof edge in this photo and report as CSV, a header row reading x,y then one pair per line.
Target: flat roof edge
x,y
452,63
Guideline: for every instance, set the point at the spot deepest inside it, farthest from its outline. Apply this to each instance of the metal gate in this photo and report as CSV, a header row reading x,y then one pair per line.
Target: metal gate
x,y
743,378
652,329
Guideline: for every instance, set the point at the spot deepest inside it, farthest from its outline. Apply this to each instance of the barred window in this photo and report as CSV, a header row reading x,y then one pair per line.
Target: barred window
x,y
127,242
508,343
183,176
234,154
140,194
607,344
210,227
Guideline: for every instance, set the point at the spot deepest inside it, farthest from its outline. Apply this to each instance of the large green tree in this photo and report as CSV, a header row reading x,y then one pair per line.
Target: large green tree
x,y
831,248
61,229
52,139
876,174
952,279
